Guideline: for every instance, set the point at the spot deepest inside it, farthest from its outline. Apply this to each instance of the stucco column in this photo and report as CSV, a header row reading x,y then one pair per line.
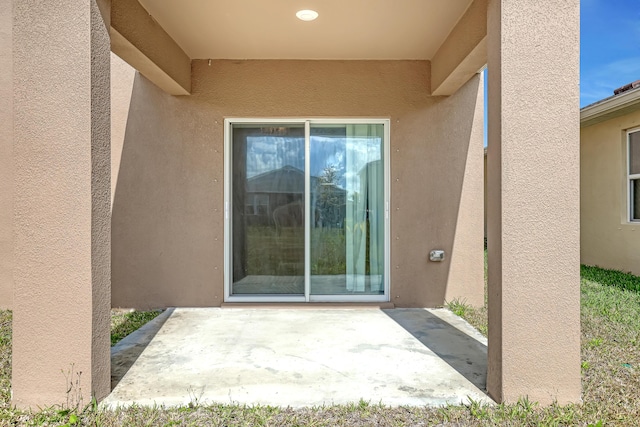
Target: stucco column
x,y
62,208
6,157
533,203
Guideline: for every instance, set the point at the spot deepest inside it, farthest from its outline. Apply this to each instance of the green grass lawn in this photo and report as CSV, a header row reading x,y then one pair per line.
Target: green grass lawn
x,y
610,379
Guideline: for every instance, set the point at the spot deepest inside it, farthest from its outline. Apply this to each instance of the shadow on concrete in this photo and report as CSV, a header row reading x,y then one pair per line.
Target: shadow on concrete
x,y
125,353
461,351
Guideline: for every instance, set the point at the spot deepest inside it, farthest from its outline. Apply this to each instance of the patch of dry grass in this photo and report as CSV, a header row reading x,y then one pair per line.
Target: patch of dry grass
x,y
611,353
5,358
125,321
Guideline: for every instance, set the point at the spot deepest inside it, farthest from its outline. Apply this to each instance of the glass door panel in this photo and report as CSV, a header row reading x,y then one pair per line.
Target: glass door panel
x,y
268,197
347,199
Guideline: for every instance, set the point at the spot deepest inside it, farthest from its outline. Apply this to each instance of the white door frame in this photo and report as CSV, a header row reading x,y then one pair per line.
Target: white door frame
x,y
228,185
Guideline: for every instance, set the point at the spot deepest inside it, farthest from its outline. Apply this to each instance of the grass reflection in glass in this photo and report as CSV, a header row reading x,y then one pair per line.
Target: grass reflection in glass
x,y
272,253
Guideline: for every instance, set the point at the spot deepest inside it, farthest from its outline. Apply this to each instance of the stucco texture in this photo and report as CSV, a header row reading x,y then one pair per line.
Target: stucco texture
x,y
607,238
167,228
533,231
6,156
122,77
62,219
138,39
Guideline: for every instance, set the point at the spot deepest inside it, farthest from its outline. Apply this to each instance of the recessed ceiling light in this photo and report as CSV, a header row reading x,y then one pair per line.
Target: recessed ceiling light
x,y
307,15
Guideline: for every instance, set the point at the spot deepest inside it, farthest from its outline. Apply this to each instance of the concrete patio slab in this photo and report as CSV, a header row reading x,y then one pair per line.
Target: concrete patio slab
x,y
300,357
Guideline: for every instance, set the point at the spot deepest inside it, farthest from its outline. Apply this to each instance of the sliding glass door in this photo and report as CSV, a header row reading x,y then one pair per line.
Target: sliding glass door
x,y
306,208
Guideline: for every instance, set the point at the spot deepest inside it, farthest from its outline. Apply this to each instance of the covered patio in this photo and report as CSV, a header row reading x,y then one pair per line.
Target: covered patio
x,y
106,206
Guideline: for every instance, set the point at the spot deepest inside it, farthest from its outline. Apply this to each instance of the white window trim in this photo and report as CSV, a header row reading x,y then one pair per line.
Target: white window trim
x,y
630,177
228,252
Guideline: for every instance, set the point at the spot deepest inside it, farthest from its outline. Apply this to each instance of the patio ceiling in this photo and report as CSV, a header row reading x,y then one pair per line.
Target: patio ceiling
x,y
345,29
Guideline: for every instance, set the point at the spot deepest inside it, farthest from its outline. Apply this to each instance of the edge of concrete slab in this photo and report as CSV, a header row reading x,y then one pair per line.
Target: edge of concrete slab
x,y
459,323
126,351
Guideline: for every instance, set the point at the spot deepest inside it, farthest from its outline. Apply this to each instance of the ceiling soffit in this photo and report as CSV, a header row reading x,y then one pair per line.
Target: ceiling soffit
x,y
345,29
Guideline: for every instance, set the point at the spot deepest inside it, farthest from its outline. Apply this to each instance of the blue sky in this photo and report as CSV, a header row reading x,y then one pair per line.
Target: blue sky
x,y
610,47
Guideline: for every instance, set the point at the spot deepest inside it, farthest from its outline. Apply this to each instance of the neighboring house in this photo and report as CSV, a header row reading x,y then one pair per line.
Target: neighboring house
x,y
266,192
610,181
387,100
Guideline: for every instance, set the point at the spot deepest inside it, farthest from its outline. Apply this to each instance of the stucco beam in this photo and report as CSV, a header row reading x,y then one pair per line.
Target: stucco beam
x,y
138,39
463,53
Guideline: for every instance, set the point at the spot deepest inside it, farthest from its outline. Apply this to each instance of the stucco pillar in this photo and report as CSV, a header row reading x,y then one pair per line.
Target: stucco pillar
x,y
533,204
62,208
6,157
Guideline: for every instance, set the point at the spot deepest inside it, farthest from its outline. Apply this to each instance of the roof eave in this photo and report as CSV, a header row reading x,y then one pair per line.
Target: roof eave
x,y
614,106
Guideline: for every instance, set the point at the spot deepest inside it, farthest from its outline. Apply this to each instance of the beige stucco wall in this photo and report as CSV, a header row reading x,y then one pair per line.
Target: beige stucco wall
x,y
167,235
6,157
607,239
467,259
122,76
